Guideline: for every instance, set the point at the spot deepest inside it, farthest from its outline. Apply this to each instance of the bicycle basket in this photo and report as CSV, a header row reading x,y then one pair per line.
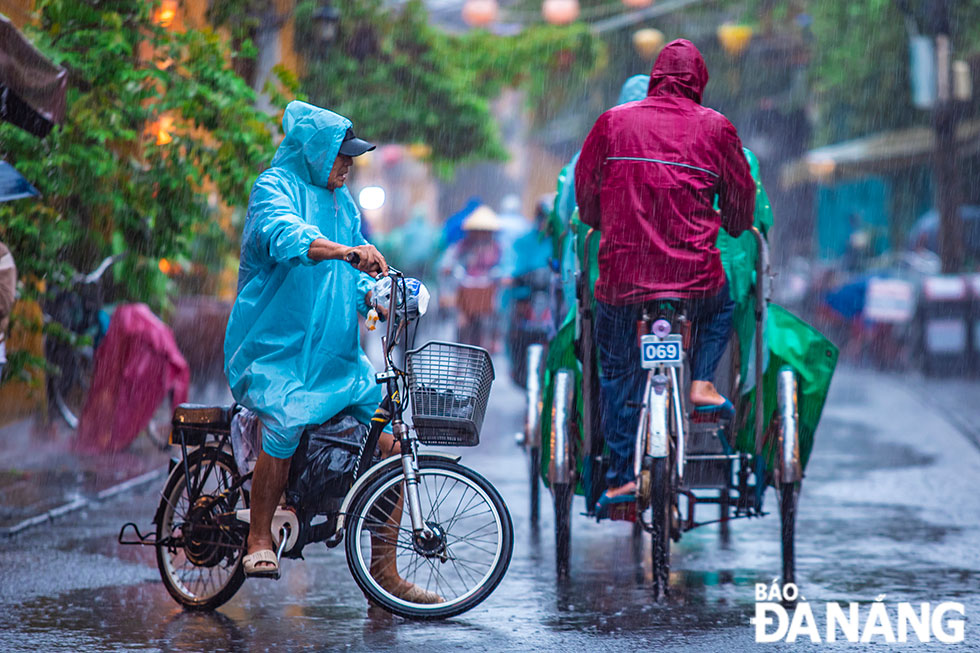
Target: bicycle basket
x,y
449,385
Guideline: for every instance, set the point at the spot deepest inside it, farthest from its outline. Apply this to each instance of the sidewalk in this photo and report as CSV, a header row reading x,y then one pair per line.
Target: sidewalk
x,y
40,472
956,399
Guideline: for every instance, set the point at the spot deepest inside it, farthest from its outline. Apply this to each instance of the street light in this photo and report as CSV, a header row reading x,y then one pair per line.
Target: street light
x,y
325,21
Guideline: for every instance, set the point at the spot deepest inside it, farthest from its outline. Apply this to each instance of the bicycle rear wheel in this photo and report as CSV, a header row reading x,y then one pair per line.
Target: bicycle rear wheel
x,y
464,559
199,558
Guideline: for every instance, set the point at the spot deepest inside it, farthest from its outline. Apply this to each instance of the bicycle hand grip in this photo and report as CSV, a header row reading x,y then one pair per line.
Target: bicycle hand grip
x,y
353,258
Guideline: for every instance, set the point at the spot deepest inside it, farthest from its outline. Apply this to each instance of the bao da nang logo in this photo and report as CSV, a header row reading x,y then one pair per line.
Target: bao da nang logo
x,y
870,621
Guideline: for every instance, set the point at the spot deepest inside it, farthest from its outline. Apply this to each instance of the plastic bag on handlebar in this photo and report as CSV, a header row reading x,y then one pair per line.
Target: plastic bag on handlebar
x,y
325,463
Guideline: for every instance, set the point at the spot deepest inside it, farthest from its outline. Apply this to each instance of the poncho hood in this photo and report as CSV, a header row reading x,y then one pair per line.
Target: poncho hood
x,y
679,71
313,138
634,88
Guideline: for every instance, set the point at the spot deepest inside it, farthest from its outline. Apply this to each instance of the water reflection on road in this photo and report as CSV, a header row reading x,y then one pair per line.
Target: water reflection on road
x,y
885,510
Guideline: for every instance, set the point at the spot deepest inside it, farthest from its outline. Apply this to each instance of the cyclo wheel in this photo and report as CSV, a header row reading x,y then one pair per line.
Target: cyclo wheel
x,y
661,504
203,569
563,495
534,472
465,560
789,494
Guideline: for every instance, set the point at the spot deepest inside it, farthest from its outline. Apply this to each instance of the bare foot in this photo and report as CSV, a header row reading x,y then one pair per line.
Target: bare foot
x,y
406,590
704,393
629,488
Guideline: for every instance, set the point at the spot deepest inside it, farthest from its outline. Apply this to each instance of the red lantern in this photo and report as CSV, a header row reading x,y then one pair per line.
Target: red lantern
x,y
480,13
560,12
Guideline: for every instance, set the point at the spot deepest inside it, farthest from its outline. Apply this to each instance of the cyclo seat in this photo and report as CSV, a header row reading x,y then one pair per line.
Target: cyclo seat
x,y
667,308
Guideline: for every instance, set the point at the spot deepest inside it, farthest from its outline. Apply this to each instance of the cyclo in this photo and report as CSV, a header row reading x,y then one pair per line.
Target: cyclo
x,y
681,461
454,536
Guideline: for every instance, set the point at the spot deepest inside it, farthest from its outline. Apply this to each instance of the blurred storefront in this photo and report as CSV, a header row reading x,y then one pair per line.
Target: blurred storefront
x,y
880,183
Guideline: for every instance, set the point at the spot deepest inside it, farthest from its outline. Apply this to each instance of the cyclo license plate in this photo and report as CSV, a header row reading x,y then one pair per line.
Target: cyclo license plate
x,y
661,352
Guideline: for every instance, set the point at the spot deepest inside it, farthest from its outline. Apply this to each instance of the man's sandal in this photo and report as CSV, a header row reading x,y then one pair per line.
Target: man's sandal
x,y
265,558
605,504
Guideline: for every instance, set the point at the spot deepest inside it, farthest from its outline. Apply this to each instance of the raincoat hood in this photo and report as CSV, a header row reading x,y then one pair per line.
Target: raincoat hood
x,y
679,70
634,88
313,138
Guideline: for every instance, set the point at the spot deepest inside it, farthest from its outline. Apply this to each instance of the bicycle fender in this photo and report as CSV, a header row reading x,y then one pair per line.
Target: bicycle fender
x,y
657,433
375,470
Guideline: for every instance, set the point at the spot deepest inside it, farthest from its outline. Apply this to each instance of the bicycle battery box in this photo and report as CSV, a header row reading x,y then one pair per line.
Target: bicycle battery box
x,y
192,423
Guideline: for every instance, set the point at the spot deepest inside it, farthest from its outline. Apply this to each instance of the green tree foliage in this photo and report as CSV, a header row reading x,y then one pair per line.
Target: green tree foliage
x,y
106,185
861,64
402,80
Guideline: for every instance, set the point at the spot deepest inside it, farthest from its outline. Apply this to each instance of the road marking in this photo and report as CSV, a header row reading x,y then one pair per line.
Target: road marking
x,y
82,502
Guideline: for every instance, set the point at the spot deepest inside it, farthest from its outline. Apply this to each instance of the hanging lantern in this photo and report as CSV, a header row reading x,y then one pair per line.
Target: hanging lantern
x,y
560,12
734,39
648,42
637,4
480,13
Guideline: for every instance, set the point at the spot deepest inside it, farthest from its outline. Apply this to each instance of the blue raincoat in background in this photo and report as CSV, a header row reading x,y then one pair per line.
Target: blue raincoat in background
x,y
292,348
633,90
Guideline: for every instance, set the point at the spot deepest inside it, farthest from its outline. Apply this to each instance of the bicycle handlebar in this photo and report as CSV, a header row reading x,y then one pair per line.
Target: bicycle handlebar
x,y
355,259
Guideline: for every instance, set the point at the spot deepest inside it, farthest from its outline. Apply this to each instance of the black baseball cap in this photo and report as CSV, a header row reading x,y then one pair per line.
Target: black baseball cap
x,y
354,146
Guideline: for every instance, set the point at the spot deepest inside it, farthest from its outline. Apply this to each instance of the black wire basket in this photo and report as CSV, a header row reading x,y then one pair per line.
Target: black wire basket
x,y
449,386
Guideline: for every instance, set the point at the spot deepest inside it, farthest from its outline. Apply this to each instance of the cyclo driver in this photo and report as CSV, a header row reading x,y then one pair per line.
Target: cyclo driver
x,y
292,350
648,177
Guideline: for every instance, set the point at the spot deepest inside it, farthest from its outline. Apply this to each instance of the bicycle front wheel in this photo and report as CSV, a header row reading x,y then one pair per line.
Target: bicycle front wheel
x,y
461,562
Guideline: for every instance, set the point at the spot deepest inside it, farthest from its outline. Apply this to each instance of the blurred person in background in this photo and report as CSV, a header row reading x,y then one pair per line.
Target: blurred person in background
x,y
8,291
474,266
513,223
528,295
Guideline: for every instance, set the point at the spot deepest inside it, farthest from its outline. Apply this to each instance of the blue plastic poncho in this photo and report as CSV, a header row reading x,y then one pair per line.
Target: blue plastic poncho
x,y
292,349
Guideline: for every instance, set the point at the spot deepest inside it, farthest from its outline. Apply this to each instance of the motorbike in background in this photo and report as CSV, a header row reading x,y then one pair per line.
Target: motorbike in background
x,y
531,320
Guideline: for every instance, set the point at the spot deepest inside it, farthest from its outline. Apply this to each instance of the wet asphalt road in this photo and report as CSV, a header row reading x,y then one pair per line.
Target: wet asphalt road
x,y
890,506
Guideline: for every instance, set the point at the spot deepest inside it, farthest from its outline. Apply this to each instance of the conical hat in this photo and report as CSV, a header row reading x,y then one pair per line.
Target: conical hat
x,y
482,219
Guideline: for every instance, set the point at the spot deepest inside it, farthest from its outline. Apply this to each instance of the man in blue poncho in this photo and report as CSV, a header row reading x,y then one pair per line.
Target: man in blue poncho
x,y
292,349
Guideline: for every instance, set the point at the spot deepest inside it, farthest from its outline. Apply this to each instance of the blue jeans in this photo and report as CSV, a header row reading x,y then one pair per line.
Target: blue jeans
x,y
621,378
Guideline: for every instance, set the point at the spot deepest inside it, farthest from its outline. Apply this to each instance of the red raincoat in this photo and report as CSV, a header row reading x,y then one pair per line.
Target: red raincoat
x,y
648,176
136,365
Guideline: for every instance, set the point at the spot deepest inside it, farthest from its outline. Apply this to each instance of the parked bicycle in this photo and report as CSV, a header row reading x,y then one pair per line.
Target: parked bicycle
x,y
446,525
74,313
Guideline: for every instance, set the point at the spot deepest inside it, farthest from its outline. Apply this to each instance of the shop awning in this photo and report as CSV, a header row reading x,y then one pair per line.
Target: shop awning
x,y
882,153
32,89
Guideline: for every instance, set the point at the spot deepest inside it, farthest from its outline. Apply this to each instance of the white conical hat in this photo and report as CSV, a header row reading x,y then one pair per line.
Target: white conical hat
x,y
482,219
